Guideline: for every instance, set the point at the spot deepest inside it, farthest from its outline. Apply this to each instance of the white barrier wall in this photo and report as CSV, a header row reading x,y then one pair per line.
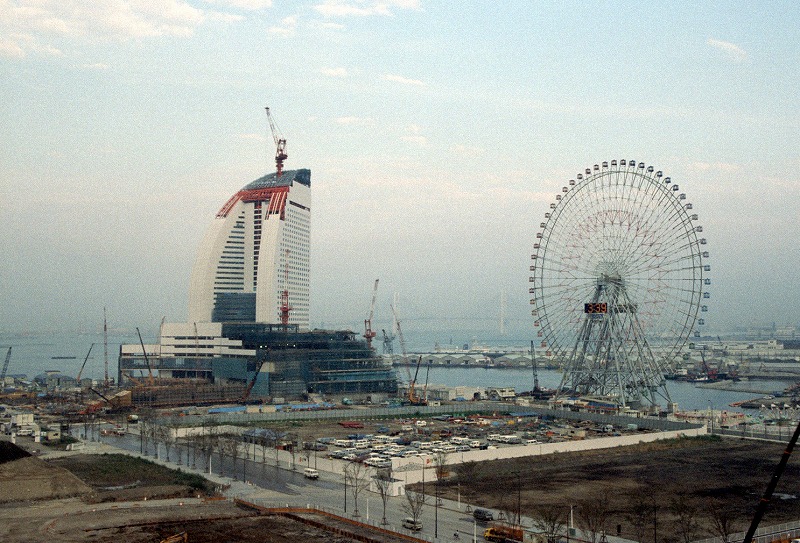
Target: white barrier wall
x,y
409,469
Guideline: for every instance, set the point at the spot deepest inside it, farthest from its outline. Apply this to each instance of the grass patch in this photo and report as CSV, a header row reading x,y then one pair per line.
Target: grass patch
x,y
107,470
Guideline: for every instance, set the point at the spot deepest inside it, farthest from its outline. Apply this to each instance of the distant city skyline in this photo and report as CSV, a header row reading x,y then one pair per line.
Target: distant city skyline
x,y
437,134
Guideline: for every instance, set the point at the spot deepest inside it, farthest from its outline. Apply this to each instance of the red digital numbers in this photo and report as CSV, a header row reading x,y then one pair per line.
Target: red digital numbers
x,y
597,307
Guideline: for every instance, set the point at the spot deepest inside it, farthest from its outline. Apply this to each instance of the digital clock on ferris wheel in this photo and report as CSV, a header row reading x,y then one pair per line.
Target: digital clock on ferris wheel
x,y
595,308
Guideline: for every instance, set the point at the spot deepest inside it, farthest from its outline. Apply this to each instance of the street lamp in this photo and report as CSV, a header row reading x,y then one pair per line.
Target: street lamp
x,y
519,492
436,511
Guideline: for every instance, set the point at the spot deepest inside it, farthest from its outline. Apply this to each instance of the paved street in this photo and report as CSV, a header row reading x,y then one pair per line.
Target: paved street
x,y
270,478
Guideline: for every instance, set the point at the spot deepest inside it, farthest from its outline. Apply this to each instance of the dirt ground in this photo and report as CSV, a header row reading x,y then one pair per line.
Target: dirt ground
x,y
74,521
110,498
673,490
704,478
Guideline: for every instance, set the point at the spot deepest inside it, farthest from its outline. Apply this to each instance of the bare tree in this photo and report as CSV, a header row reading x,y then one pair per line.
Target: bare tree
x,y
293,449
193,442
144,444
440,465
468,471
413,505
640,513
230,447
685,511
383,482
723,518
550,519
357,478
593,513
167,434
154,433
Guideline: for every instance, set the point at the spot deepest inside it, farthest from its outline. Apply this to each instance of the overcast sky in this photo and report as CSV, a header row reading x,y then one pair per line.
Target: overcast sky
x,y
437,134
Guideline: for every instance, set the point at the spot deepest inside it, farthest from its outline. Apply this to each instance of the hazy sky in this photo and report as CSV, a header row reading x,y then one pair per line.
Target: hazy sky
x,y
437,134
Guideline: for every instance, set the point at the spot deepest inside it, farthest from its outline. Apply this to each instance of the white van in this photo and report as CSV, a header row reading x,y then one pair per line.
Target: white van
x,y
411,524
310,473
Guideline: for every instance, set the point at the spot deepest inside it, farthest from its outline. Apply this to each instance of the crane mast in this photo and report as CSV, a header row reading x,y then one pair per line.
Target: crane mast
x,y
280,146
369,333
285,307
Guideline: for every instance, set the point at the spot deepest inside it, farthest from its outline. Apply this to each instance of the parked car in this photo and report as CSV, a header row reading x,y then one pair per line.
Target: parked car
x,y
411,524
482,515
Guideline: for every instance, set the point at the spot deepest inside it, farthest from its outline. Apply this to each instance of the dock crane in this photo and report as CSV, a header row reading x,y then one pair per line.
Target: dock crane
x,y
5,368
369,333
80,372
280,146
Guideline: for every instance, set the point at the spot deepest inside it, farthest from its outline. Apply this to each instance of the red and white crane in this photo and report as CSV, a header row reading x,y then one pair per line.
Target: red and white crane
x,y
369,333
280,146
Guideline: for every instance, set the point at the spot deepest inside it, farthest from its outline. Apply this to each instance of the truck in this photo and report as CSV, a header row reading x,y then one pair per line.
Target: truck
x,y
502,533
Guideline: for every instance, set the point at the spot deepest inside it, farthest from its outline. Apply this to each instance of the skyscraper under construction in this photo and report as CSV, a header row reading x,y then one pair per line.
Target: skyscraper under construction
x,y
249,309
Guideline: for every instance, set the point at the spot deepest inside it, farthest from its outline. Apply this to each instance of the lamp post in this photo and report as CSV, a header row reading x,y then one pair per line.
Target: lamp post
x,y
436,511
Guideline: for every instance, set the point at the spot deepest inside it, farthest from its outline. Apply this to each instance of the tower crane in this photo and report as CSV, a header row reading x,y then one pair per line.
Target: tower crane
x,y
369,333
280,146
5,368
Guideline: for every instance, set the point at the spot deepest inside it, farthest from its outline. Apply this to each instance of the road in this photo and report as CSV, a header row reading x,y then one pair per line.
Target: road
x,y
260,480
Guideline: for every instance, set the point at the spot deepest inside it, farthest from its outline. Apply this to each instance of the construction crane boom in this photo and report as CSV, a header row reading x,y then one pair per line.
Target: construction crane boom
x,y
100,394
146,359
80,372
412,397
280,146
369,333
5,368
252,382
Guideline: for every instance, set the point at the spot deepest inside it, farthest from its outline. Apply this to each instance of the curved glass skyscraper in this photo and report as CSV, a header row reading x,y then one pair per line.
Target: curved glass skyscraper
x,y
257,249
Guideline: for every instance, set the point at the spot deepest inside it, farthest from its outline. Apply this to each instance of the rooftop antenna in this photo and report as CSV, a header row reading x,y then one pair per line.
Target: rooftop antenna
x,y
280,146
105,348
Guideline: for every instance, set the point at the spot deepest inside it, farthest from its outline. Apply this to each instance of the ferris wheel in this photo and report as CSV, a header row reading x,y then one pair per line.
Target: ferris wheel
x,y
619,282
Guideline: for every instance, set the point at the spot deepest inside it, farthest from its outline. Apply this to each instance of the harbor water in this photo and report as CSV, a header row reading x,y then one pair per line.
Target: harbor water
x,y
33,354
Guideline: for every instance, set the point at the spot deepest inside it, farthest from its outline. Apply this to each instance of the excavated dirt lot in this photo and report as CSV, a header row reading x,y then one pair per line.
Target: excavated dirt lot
x,y
111,498
704,478
73,521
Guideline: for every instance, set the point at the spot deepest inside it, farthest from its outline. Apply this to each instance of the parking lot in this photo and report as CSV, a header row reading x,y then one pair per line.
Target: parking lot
x,y
377,444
